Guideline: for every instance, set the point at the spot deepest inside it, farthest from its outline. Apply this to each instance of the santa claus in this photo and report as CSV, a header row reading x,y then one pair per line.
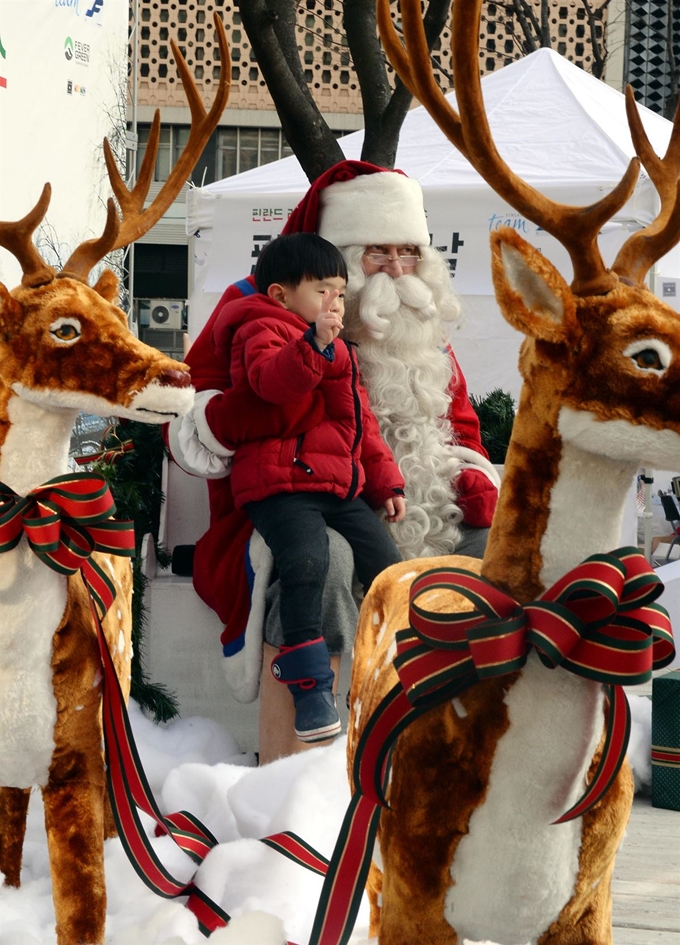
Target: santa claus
x,y
398,301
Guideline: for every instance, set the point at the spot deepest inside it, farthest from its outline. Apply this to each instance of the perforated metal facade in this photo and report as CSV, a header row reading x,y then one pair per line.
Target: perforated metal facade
x,y
652,26
322,45
502,39
323,49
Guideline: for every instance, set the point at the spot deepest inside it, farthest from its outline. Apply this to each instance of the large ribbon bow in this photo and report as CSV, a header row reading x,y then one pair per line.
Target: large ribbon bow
x,y
599,621
65,521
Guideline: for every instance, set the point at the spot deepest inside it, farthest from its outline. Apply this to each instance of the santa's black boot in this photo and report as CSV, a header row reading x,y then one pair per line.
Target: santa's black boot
x,y
306,670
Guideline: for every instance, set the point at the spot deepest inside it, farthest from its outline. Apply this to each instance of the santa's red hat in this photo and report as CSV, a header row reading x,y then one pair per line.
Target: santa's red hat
x,y
357,203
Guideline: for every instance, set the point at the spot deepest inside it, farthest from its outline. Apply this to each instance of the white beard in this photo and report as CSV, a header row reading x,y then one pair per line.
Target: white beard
x,y
406,370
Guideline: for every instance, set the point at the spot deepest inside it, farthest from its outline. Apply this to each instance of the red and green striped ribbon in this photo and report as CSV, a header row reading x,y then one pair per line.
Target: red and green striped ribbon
x,y
665,757
599,621
130,793
297,850
64,521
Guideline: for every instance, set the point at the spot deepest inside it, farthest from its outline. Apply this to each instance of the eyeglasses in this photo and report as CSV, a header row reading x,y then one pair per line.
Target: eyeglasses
x,y
382,259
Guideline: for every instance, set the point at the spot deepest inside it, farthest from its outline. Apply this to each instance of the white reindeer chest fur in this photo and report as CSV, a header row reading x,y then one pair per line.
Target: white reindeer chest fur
x,y
32,602
596,471
514,871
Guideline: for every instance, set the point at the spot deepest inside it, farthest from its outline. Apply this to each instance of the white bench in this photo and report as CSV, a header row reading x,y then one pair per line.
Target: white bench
x,y
182,639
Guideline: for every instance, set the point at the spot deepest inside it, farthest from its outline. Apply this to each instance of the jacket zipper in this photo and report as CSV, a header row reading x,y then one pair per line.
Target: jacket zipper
x,y
357,417
297,461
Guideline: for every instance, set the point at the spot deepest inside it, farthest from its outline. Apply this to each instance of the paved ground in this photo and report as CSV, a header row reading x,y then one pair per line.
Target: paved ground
x,y
646,886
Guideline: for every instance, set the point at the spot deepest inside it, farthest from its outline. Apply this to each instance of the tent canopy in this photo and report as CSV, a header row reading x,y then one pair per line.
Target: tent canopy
x,y
560,129
553,123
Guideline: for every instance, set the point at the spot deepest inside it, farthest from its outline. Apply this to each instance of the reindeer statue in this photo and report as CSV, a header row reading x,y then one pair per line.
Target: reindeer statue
x,y
469,847
65,347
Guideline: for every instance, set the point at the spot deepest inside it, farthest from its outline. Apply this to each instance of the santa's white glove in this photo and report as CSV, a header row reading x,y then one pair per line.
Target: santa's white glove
x,y
194,447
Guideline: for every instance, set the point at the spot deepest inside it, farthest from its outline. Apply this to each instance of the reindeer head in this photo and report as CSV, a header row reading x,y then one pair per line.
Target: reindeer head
x,y
65,345
603,371
601,360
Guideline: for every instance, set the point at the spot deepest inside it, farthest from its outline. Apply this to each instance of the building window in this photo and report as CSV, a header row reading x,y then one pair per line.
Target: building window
x,y
161,271
170,145
229,151
241,149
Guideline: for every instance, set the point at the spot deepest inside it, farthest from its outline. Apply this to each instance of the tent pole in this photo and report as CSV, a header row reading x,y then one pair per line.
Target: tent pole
x,y
647,515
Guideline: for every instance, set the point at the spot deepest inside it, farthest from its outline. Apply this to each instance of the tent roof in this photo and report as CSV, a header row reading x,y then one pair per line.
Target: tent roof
x,y
552,122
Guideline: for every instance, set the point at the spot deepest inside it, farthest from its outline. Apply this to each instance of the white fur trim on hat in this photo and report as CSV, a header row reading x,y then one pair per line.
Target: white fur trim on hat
x,y
373,209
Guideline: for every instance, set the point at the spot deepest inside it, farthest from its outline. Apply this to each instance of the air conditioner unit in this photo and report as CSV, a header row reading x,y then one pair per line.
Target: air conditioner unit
x,y
166,313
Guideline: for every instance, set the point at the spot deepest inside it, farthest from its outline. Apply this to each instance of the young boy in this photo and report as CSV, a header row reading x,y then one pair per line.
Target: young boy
x,y
282,347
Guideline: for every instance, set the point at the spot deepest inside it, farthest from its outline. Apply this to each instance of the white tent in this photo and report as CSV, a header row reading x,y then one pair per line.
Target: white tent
x,y
560,129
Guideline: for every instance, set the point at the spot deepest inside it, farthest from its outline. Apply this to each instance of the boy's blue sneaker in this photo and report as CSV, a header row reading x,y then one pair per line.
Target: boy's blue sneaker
x,y
306,670
316,718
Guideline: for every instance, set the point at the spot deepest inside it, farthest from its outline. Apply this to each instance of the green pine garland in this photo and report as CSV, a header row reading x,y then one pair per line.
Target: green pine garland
x,y
135,482
496,412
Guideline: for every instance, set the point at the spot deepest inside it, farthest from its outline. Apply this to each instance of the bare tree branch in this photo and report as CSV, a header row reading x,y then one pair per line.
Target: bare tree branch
x,y
528,22
546,40
595,18
384,109
271,26
368,58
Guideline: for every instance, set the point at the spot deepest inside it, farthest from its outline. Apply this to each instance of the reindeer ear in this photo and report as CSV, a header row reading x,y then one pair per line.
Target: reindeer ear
x,y
107,286
532,295
11,312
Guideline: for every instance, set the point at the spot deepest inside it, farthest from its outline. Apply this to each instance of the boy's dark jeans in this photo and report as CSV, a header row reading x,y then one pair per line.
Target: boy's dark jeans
x,y
294,527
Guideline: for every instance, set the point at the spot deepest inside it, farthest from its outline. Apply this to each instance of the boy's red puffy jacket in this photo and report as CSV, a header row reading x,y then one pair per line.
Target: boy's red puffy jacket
x,y
341,451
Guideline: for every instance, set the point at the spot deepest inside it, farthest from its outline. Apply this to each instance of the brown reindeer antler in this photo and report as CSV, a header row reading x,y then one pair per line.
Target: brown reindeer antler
x,y
642,249
16,237
576,228
412,66
135,219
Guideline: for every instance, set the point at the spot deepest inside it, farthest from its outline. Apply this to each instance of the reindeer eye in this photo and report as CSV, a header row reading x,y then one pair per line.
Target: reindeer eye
x,y
650,354
649,358
65,330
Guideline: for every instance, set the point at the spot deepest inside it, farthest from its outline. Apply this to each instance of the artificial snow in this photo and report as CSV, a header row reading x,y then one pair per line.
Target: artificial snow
x,y
195,765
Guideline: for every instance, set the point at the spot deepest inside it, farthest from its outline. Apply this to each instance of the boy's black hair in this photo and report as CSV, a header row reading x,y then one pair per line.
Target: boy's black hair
x,y
291,259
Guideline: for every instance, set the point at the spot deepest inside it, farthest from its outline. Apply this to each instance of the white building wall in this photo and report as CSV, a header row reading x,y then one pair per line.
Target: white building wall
x,y
62,73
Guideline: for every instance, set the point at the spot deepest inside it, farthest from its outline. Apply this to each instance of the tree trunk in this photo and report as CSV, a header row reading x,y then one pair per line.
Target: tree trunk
x,y
384,109
271,28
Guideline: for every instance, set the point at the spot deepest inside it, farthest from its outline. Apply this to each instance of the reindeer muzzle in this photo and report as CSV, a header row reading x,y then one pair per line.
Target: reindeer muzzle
x,y
172,378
